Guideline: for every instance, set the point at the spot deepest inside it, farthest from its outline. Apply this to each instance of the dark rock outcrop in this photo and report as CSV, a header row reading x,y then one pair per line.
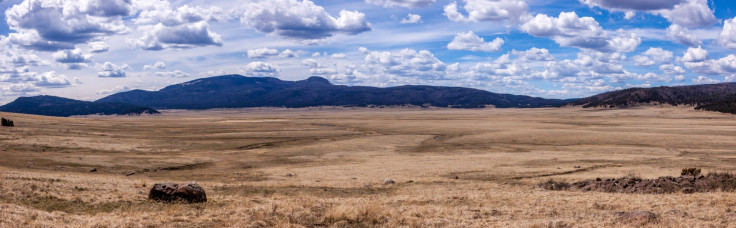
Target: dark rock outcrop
x,y
7,123
173,192
683,184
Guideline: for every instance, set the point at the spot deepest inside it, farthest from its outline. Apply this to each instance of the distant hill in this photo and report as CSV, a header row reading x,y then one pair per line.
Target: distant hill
x,y
712,97
236,91
58,106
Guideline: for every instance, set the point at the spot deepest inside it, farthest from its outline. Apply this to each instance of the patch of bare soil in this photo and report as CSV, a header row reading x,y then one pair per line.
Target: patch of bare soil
x,y
686,184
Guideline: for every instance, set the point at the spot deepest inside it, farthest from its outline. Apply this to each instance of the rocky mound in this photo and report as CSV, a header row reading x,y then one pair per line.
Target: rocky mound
x,y
685,184
174,192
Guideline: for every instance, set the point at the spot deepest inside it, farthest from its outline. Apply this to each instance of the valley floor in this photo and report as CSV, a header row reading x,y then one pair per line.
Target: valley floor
x,y
452,167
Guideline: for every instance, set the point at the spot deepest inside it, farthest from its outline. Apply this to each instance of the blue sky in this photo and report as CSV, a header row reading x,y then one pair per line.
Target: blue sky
x,y
555,49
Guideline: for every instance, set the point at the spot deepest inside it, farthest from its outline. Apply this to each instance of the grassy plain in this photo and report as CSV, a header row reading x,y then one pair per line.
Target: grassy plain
x,y
452,168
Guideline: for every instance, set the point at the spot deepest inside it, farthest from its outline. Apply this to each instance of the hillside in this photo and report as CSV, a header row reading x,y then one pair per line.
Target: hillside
x,y
236,91
58,106
711,97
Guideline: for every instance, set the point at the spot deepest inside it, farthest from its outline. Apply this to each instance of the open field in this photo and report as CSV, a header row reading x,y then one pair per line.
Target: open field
x,y
468,168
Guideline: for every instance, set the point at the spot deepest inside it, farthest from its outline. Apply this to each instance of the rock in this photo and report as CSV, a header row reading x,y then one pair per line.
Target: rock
x,y
389,181
130,173
173,192
577,166
637,217
410,181
289,175
7,123
688,190
457,177
690,172
93,170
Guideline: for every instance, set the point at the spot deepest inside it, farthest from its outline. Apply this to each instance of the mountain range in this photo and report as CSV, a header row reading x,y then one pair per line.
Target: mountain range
x,y
59,106
711,97
236,91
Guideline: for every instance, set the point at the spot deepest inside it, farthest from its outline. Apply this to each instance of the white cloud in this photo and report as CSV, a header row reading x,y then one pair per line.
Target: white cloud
x,y
652,56
487,10
682,35
470,42
402,3
262,53
301,20
59,24
338,56
159,36
52,79
71,56
670,69
704,80
98,47
569,30
260,69
116,89
412,19
173,74
688,13
405,63
110,70
534,54
728,34
288,53
694,55
156,66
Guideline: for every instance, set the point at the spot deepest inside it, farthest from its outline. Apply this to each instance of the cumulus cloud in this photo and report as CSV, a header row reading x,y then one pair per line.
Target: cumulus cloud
x,y
262,53
487,10
116,89
60,24
402,3
98,47
260,69
569,30
338,56
704,80
534,54
159,36
694,55
71,56
405,63
652,56
185,27
156,66
110,70
728,34
411,19
470,42
52,79
301,20
671,69
682,35
688,13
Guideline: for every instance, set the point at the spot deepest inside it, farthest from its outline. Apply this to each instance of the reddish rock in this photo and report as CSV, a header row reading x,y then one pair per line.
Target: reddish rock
x,y
173,192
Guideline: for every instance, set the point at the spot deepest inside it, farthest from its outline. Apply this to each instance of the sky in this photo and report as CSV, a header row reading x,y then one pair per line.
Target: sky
x,y
88,49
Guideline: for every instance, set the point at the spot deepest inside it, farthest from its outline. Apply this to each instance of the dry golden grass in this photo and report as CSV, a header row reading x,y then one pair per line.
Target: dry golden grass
x,y
453,168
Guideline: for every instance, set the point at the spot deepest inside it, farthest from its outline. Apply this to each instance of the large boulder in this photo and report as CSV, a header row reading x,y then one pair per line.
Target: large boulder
x,y
173,192
7,123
